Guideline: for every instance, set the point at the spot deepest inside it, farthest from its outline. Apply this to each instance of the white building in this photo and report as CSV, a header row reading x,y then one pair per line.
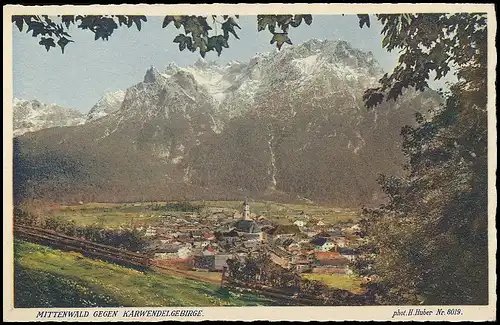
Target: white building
x,y
184,252
150,231
300,223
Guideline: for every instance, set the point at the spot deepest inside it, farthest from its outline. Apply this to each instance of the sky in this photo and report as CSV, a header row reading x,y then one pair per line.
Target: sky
x,y
89,69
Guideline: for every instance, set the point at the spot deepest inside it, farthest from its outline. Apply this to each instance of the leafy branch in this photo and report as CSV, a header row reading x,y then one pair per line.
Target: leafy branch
x,y
50,31
270,22
197,33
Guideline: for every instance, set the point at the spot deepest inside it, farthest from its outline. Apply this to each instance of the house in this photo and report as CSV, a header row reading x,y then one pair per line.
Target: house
x,y
323,234
340,241
208,251
283,241
259,237
249,244
211,262
356,228
330,262
322,244
300,223
281,231
349,254
184,252
150,231
165,253
338,266
334,233
302,262
230,237
208,236
264,224
293,247
326,255
220,261
280,256
310,232
196,233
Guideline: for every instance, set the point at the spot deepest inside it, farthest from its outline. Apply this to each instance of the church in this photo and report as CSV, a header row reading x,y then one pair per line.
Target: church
x,y
246,227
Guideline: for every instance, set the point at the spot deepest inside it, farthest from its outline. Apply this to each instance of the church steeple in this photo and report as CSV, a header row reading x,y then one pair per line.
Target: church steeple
x,y
246,211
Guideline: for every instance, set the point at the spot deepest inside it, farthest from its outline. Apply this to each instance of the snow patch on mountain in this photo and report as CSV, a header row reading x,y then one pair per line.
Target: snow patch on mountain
x,y
33,115
107,104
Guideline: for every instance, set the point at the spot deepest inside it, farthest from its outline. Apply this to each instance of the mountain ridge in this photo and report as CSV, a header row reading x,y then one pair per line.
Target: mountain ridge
x,y
290,122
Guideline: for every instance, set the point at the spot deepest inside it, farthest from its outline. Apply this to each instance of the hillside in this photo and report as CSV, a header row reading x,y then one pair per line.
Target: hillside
x,y
46,277
282,125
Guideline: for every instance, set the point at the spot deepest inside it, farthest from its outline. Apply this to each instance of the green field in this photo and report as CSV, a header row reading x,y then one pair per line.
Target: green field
x,y
46,277
338,281
125,214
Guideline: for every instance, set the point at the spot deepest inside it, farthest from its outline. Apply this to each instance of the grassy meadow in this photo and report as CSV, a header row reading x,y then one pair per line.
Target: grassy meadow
x,y
114,215
338,281
46,277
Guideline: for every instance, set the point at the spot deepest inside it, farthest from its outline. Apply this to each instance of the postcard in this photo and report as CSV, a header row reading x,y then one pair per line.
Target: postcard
x,y
279,162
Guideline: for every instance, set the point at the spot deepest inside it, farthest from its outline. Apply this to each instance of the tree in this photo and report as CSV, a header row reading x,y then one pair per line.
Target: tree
x,y
428,244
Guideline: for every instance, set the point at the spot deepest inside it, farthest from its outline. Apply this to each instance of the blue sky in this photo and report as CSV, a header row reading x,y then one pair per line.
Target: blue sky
x,y
88,69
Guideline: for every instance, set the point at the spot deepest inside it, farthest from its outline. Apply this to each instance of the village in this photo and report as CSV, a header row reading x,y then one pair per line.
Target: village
x,y
305,245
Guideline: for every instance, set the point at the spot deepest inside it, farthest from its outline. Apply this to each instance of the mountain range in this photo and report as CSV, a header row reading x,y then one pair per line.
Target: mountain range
x,y
284,125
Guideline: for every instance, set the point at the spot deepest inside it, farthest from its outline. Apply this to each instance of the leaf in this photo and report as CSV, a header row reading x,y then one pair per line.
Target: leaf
x,y
308,19
283,19
167,20
264,21
386,41
192,25
63,41
37,28
201,43
137,20
178,21
280,39
19,21
129,21
48,42
203,23
228,27
364,19
296,21
215,43
123,20
184,41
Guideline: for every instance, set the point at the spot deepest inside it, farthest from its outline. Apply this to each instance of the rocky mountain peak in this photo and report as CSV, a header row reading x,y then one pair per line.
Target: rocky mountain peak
x,y
106,105
33,115
152,75
201,63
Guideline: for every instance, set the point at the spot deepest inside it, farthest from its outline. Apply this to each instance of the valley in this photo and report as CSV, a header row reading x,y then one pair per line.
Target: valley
x,y
115,215
179,237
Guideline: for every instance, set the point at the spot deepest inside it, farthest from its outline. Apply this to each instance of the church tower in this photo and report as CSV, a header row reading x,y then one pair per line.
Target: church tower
x,y
246,211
